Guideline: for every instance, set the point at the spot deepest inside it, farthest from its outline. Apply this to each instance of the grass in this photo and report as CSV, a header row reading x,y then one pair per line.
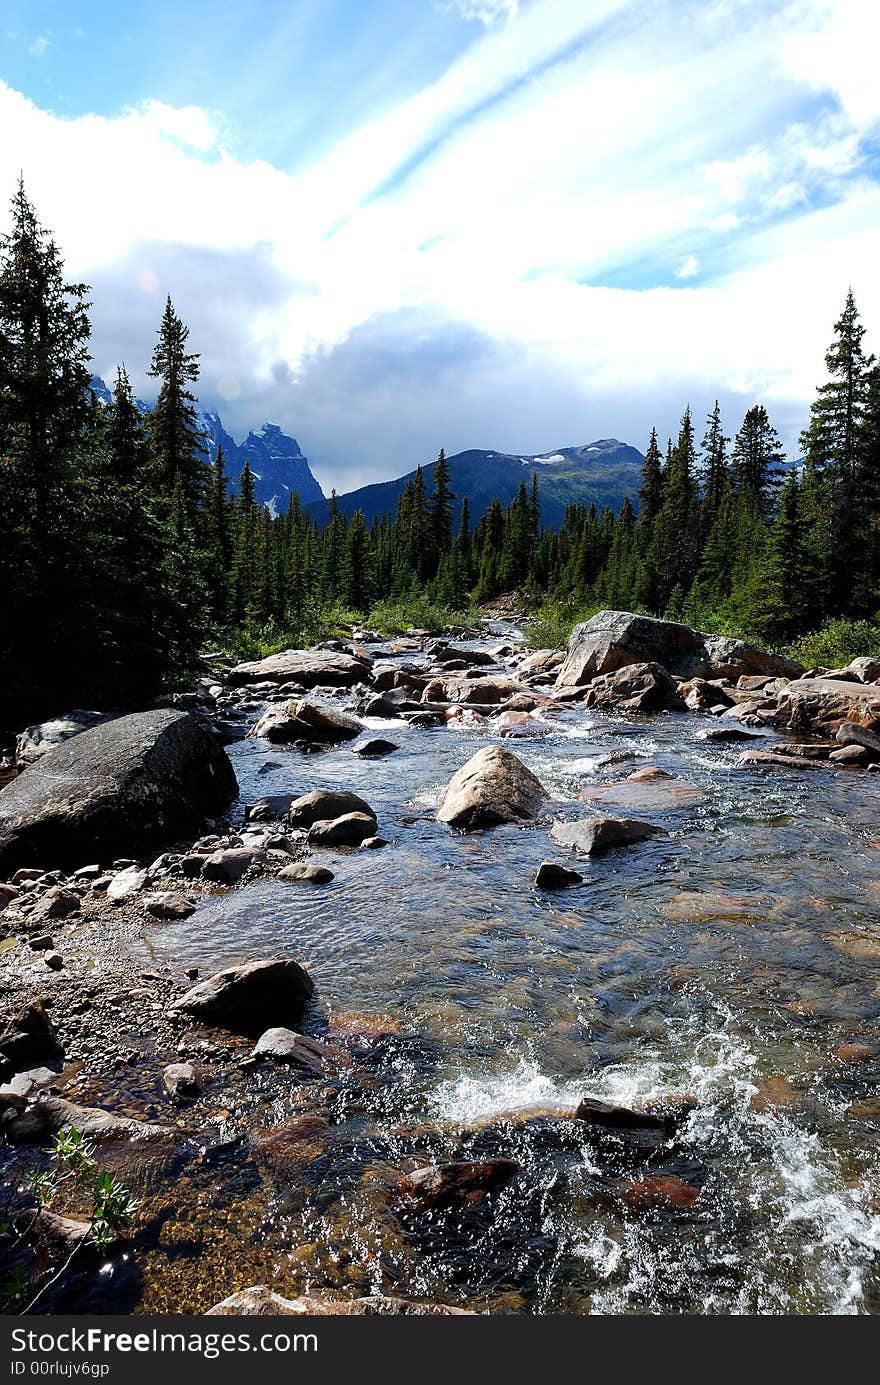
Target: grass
x,y
836,642
396,614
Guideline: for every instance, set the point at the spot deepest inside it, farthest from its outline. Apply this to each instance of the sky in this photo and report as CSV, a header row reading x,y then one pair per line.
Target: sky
x,y
396,225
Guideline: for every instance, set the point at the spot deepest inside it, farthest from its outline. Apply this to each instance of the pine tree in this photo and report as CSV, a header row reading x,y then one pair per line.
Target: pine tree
x,y
715,469
757,462
651,488
177,441
441,508
126,433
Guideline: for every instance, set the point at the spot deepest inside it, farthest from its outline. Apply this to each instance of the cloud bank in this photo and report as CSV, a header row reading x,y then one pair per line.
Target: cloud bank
x,y
593,216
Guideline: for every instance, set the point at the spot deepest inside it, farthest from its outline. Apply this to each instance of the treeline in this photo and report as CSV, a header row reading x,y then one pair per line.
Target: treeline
x,y
122,550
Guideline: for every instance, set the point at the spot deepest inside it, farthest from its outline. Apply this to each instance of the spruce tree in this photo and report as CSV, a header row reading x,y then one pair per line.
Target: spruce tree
x,y
177,441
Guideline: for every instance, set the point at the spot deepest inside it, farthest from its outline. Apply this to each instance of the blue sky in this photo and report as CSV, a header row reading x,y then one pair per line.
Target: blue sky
x,y
504,223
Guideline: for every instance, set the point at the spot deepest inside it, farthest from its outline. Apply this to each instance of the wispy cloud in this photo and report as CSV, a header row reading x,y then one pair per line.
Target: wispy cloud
x,y
571,201
488,12
39,46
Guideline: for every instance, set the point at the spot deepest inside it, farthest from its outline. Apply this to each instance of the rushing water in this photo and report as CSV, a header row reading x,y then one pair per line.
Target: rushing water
x,y
729,960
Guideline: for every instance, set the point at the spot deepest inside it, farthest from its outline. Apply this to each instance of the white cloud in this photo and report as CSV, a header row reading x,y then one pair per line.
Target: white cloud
x,y
488,12
549,197
39,46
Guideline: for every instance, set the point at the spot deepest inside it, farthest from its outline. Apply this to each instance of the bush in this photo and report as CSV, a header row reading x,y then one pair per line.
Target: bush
x,y
838,641
555,621
399,613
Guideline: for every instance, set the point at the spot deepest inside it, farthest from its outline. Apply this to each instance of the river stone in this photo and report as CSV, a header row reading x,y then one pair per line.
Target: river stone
x,y
125,785
227,867
462,1180
648,790
249,996
168,905
857,756
821,704
493,787
180,1081
348,830
850,733
728,733
268,809
482,691
866,669
636,688
553,876
542,661
305,871
287,1046
29,1036
49,1114
260,1301
58,902
301,720
375,748
611,1117
126,884
310,668
323,804
778,757
591,835
7,894
613,639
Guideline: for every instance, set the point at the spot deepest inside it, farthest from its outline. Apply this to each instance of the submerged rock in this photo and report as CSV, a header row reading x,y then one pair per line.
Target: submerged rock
x,y
124,785
648,790
591,835
611,1117
249,996
493,787
375,748
302,720
462,1180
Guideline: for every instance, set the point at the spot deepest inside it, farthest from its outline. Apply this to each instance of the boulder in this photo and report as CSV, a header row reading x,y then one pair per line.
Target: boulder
x,y
287,1046
728,733
226,867
348,830
591,835
7,894
29,1036
181,1082
167,905
493,787
250,996
820,705
542,661
856,756
310,668
553,876
260,1301
323,804
34,742
58,902
441,1185
850,733
304,871
483,692
268,809
635,688
866,669
611,1117
375,748
304,721
123,786
613,639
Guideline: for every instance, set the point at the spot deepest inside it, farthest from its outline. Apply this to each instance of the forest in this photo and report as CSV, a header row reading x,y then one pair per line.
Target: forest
x,y
124,556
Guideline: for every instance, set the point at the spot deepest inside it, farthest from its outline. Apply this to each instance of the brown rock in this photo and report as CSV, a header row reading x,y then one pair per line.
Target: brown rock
x,y
493,787
440,1185
592,835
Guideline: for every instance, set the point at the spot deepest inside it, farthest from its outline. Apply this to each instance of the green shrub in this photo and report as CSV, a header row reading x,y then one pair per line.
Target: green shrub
x,y
399,613
555,621
838,641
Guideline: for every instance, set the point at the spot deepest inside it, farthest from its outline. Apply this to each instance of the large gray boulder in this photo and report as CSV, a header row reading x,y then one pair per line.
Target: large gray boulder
x,y
310,668
493,787
614,639
251,997
822,704
123,787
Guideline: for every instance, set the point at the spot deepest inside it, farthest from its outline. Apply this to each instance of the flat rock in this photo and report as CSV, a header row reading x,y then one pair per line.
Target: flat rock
x,y
821,704
126,884
648,790
287,1046
592,835
120,787
310,668
253,994
493,787
49,1114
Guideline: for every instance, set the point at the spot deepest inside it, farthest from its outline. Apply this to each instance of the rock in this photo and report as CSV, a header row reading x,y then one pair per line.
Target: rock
x,y
33,743
254,994
7,894
856,1052
54,961
49,1114
865,669
493,787
29,1036
373,843
181,1082
374,748
592,835
821,704
772,757
310,668
440,1185
58,902
305,871
287,1046
610,1117
127,784
126,884
542,661
514,723
168,906
348,830
553,876
613,639
856,756
636,688
322,805
56,1236
227,867
259,1301
301,720
483,691
658,1190
850,733
270,809
648,790
728,733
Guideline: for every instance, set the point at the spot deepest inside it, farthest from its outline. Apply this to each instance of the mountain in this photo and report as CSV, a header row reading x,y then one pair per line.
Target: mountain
x,y
602,472
278,465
